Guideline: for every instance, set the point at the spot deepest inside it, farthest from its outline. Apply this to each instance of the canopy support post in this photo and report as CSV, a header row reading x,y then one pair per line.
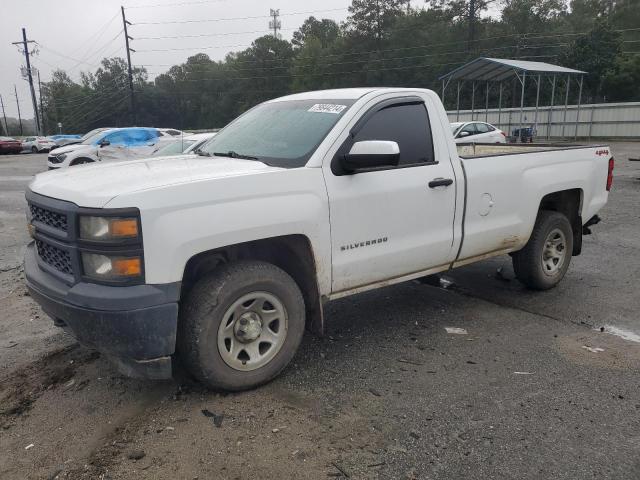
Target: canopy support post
x,y
524,79
499,104
566,104
458,104
473,99
535,120
549,117
575,136
486,105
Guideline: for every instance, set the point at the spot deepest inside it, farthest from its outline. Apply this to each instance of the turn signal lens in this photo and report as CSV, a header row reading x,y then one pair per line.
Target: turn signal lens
x,y
108,228
127,267
124,227
105,267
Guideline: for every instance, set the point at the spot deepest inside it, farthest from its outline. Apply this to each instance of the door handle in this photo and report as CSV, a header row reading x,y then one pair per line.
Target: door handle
x,y
440,182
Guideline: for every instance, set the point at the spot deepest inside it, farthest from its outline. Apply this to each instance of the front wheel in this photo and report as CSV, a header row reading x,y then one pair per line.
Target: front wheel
x,y
544,260
241,325
34,150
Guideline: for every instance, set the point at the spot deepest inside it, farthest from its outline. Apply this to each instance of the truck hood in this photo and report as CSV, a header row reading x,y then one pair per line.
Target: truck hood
x,y
96,184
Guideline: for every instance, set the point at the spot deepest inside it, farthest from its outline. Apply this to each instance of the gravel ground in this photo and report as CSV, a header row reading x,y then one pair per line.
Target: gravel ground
x,y
387,393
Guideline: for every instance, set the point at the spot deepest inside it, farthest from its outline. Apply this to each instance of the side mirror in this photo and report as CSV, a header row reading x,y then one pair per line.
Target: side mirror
x,y
464,134
371,154
104,143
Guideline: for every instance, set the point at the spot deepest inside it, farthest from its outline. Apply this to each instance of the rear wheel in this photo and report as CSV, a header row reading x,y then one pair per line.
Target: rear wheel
x,y
241,325
34,150
544,260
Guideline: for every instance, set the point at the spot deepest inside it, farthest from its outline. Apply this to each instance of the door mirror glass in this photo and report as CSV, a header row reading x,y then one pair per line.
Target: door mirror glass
x,y
464,134
371,154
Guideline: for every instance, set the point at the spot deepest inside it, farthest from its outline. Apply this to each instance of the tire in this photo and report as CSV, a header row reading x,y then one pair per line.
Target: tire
x,y
34,150
544,260
213,353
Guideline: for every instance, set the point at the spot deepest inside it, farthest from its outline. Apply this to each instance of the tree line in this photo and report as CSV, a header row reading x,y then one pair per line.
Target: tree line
x,y
383,42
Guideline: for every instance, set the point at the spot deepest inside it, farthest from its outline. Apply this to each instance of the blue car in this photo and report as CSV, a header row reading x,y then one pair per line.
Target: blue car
x,y
107,144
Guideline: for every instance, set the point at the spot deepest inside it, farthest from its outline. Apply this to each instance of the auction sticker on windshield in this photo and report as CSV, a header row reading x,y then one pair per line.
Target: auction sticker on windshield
x,y
327,108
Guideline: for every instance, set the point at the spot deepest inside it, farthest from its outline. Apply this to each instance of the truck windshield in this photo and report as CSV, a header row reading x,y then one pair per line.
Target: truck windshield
x,y
282,134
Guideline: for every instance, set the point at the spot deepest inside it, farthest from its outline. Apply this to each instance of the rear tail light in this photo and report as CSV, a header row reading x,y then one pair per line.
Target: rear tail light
x,y
610,174
503,134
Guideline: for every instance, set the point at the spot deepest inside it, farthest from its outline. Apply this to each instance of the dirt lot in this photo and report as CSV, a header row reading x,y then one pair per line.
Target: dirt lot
x,y
388,393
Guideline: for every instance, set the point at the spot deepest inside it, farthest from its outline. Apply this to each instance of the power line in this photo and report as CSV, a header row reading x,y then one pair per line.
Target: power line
x,y
94,38
388,59
200,35
62,55
210,20
292,75
178,4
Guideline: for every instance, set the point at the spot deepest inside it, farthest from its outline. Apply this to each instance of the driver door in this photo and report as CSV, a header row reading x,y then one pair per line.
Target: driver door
x,y
389,222
114,146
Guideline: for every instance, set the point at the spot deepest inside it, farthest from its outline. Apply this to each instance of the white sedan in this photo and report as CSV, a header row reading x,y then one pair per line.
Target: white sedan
x,y
477,132
37,144
185,144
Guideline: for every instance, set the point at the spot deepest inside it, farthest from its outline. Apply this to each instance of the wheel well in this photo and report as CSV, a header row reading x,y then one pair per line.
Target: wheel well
x,y
292,253
569,203
78,160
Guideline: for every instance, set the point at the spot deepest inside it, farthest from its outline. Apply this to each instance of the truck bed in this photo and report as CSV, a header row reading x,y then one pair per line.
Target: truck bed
x,y
477,150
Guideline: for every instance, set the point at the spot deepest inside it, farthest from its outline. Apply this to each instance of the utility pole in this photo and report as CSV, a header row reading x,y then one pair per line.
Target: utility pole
x,y
472,24
25,45
275,24
15,89
126,23
6,127
44,130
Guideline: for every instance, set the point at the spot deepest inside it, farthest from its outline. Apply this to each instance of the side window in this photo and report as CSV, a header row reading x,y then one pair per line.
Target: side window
x,y
118,138
482,127
408,125
139,136
471,128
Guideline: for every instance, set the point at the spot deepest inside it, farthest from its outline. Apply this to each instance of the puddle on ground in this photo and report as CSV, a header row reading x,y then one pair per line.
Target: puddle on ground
x,y
622,333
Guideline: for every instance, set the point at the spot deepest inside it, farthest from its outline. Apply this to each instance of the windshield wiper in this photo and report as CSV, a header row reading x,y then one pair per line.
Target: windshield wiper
x,y
233,154
197,151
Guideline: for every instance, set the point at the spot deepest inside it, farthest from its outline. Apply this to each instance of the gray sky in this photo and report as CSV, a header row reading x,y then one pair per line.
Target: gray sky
x,y
76,34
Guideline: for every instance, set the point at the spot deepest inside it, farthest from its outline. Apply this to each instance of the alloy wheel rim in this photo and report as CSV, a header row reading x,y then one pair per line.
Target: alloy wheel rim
x,y
252,331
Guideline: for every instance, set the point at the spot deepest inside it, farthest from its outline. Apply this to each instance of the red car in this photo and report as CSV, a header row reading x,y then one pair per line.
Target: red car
x,y
10,145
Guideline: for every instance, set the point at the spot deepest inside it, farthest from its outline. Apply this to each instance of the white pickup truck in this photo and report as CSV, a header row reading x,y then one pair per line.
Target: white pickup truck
x,y
224,258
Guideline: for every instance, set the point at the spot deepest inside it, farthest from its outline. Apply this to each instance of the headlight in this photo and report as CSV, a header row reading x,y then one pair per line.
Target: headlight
x,y
106,267
108,228
61,157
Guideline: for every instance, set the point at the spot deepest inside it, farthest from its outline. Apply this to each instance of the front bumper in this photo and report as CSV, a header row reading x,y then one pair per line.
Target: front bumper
x,y
134,326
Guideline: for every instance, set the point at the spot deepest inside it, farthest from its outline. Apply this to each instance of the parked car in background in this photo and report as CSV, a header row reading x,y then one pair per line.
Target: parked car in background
x,y
170,132
185,144
37,144
110,144
10,145
62,140
477,132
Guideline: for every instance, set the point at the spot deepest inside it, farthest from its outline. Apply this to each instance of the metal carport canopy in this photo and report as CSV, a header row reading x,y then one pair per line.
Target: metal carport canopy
x,y
499,69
